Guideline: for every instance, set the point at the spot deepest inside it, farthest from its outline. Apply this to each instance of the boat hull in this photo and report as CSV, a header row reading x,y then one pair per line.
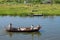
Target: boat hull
x,y
22,31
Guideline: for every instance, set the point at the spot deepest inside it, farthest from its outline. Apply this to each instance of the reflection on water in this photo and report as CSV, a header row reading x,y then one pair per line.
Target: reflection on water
x,y
23,33
31,34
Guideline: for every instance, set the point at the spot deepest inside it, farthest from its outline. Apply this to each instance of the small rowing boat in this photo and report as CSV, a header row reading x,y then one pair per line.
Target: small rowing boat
x,y
23,29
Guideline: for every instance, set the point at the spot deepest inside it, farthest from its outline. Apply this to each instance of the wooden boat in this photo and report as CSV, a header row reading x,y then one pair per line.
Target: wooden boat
x,y
25,29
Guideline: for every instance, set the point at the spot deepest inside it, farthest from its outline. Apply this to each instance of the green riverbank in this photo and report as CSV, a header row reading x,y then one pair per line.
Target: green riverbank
x,y
30,9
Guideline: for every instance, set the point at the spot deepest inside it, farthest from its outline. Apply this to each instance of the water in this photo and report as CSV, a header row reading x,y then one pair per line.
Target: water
x,y
50,28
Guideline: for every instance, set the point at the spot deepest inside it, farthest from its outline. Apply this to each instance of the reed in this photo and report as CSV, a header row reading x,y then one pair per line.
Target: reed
x,y
29,9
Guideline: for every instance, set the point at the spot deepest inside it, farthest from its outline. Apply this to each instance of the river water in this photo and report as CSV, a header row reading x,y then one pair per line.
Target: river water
x,y
50,28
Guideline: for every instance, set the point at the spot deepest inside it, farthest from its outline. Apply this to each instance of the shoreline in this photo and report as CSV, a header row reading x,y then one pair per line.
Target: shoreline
x,y
30,9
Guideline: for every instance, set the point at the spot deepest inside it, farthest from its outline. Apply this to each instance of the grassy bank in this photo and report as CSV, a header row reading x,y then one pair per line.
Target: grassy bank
x,y
29,9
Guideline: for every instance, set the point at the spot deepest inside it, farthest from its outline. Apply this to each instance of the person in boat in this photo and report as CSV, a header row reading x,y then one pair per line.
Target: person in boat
x,y
18,28
32,27
38,26
10,26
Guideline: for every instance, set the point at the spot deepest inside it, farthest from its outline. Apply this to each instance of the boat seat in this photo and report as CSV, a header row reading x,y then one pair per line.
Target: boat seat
x,y
35,28
22,29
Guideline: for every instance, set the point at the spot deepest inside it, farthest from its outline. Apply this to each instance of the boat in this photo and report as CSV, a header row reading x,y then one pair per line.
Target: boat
x,y
24,29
